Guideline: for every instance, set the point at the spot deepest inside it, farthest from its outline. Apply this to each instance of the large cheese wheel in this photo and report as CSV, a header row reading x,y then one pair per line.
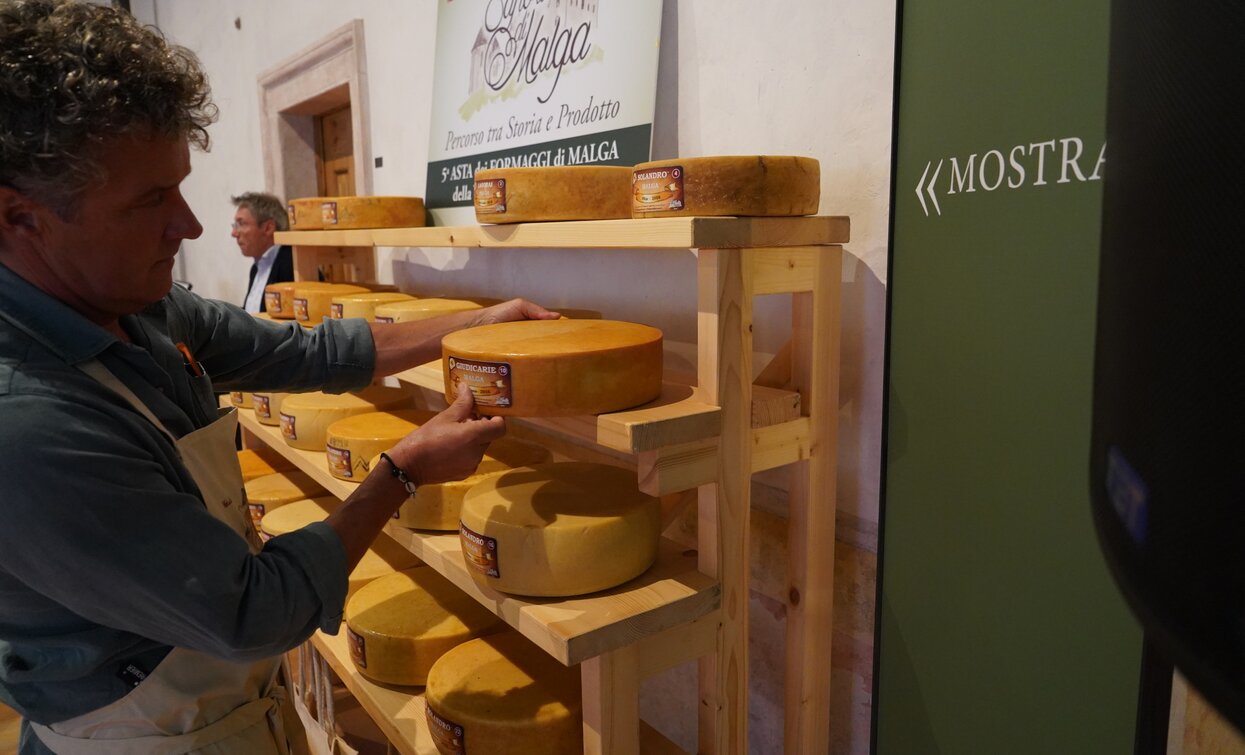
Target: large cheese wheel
x,y
363,304
305,417
241,399
338,213
421,309
401,623
574,313
752,185
385,556
501,693
550,368
257,462
270,492
351,443
267,406
304,213
437,507
578,192
279,300
567,528
313,299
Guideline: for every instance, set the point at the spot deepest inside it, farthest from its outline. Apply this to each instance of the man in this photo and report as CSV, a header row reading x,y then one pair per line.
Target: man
x,y
133,608
256,218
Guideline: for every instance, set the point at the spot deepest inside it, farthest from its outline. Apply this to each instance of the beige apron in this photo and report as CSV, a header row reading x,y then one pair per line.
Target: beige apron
x,y
192,702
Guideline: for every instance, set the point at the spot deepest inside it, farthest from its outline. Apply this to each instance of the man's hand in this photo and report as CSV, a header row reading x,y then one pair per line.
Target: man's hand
x,y
515,309
449,446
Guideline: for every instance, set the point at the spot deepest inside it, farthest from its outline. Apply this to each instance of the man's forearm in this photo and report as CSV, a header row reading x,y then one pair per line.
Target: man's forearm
x,y
401,346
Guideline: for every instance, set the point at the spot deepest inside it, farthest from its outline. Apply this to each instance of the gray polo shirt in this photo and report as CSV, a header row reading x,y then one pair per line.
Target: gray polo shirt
x,y
108,557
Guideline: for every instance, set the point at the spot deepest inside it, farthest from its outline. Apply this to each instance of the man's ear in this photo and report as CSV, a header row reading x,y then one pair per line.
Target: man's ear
x,y
20,217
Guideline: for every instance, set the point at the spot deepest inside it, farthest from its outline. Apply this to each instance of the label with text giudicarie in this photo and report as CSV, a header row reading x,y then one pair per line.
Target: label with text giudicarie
x,y
328,213
480,551
262,406
339,461
300,310
490,196
272,302
489,381
287,427
336,311
657,189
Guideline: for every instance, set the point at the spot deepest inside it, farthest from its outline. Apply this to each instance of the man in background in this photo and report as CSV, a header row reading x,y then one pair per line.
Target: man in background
x,y
257,218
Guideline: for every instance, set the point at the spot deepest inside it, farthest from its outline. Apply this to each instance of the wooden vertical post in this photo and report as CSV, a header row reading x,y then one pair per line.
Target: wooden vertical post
x,y
724,347
611,697
810,545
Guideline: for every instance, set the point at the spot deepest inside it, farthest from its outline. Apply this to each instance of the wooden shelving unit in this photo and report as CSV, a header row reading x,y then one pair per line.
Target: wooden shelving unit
x,y
711,437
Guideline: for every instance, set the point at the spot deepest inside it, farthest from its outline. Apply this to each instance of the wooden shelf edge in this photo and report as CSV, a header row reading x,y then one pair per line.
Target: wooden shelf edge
x,y
398,711
674,418
652,233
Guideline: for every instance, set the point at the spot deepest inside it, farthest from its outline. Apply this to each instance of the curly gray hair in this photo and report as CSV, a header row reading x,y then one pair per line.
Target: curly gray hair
x,y
264,207
73,75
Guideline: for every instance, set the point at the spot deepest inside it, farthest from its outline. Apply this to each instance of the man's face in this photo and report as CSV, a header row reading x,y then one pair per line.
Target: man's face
x,y
115,255
254,238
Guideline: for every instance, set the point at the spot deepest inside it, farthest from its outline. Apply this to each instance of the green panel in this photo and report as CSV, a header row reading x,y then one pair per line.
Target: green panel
x,y
1001,630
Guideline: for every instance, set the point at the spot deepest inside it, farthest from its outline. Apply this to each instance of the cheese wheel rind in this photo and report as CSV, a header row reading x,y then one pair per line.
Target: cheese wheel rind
x,y
507,695
552,368
313,299
363,304
351,443
567,528
267,406
401,623
272,491
257,462
421,309
306,417
572,192
752,185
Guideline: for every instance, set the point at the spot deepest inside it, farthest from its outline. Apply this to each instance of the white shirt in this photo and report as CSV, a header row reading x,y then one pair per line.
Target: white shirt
x,y
263,267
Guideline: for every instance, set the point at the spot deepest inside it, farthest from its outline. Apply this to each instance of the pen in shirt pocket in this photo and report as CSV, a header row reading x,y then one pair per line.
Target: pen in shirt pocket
x,y
192,365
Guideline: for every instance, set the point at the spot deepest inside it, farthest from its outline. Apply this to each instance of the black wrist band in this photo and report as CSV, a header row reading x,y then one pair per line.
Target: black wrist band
x,y
398,472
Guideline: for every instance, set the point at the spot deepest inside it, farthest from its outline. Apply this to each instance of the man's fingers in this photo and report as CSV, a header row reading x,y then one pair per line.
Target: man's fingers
x,y
463,406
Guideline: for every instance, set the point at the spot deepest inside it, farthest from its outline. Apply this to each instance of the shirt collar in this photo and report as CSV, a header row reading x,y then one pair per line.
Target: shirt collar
x,y
271,253
50,321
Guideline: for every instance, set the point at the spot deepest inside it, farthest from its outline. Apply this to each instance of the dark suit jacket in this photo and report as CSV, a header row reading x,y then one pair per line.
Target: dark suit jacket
x,y
282,271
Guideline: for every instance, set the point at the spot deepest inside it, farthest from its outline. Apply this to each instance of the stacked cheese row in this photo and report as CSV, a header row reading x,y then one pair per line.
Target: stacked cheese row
x,y
753,185
339,213
305,417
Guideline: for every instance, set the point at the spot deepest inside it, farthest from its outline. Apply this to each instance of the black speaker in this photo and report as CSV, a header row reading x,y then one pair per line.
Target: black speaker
x,y
1168,460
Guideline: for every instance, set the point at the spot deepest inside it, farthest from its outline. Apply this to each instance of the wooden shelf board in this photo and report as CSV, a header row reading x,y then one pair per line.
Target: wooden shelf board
x,y
398,711
671,592
654,233
676,417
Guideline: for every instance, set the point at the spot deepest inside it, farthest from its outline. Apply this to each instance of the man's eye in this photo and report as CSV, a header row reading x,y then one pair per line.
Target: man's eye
x,y
153,199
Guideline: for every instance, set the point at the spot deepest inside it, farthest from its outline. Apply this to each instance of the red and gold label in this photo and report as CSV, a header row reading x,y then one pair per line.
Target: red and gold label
x,y
446,735
490,196
480,551
358,648
257,513
289,210
261,406
336,311
339,461
235,398
272,301
328,213
657,189
300,310
490,382
287,427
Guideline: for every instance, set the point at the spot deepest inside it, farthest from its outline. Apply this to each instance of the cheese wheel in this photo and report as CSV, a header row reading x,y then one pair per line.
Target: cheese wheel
x,y
421,309
267,407
270,492
312,299
257,462
339,213
305,417
501,693
551,368
351,443
400,624
385,556
279,300
241,399
364,304
567,528
572,192
752,185
437,507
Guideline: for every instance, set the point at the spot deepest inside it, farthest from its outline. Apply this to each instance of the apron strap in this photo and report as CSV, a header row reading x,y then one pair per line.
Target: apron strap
x,y
97,370
240,719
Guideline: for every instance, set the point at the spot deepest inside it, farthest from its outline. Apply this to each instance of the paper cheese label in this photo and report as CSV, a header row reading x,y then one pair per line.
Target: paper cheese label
x,y
328,213
287,427
261,405
289,210
384,321
358,648
300,310
339,461
336,311
446,735
257,513
272,301
490,196
479,550
490,382
657,189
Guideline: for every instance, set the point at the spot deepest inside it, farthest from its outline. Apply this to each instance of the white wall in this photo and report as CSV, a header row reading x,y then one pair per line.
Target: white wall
x,y
806,77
